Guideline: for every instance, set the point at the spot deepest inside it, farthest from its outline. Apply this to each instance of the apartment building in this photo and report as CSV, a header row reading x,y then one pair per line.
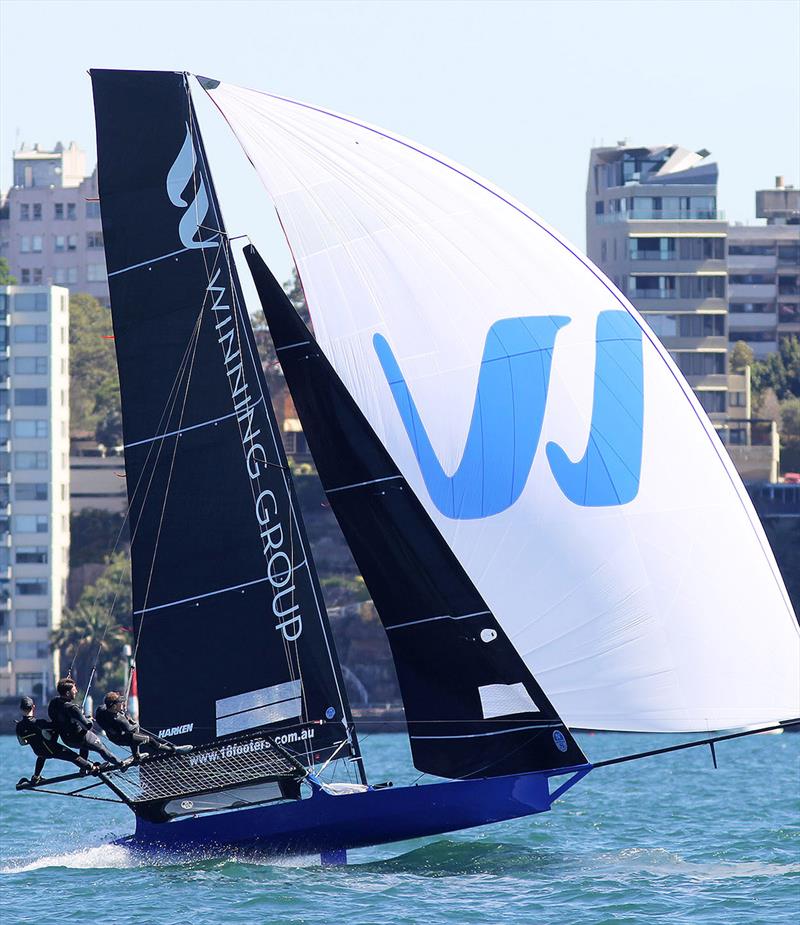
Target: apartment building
x,y
654,228
764,272
34,482
50,229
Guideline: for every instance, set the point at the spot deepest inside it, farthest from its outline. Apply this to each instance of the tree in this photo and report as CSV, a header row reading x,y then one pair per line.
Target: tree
x,y
790,418
779,371
741,357
92,634
94,384
93,532
6,279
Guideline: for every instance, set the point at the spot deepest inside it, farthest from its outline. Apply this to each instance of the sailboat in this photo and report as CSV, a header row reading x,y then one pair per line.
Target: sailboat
x,y
550,530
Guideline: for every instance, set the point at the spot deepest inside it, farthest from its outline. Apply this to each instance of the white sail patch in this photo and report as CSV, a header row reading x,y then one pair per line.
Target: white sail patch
x,y
505,700
259,708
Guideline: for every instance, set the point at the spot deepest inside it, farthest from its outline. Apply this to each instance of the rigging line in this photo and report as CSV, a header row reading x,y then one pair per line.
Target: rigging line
x,y
294,525
191,352
683,745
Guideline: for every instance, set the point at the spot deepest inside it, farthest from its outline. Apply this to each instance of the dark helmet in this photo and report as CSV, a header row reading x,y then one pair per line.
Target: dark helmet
x,y
26,704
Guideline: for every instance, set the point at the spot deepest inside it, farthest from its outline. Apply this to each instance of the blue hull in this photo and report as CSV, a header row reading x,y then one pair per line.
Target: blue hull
x,y
325,824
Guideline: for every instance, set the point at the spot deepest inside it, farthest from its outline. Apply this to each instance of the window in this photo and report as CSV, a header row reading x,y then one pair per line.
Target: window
x,y
30,397
36,649
30,491
702,248
701,287
599,208
66,275
748,308
787,312
30,333
30,302
751,250
25,618
652,248
712,402
789,253
24,212
737,399
30,523
30,684
58,211
31,555
37,242
751,279
700,364
24,429
36,276
30,366
93,210
72,242
25,276
663,325
72,211
702,326
94,240
24,244
28,459
95,272
60,243
4,654
753,337
37,211
789,285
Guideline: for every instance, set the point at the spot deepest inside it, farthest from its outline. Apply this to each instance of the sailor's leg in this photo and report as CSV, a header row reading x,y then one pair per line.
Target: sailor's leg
x,y
37,771
91,742
66,754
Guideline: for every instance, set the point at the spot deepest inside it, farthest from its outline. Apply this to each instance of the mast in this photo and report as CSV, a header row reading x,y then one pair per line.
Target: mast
x,y
473,708
231,632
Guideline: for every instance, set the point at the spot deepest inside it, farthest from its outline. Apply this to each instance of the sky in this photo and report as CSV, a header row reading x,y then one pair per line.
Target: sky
x,y
516,91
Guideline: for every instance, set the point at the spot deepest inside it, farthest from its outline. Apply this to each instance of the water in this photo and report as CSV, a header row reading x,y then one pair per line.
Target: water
x,y
665,840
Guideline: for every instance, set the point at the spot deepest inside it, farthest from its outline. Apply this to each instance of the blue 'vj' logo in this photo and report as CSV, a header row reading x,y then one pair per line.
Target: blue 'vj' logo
x,y
508,413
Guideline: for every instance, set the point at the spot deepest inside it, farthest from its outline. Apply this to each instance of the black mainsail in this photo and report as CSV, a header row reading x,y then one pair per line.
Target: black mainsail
x,y
232,636
472,706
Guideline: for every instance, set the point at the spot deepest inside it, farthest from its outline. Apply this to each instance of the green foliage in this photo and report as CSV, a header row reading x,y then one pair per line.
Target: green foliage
x,y
741,357
94,385
341,589
97,628
93,533
6,279
779,371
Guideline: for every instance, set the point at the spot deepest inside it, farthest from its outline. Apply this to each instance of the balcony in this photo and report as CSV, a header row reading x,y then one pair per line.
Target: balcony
x,y
752,262
660,215
752,292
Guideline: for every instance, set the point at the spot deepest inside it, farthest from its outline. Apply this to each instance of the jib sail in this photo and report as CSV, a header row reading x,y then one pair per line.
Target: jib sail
x,y
473,708
230,627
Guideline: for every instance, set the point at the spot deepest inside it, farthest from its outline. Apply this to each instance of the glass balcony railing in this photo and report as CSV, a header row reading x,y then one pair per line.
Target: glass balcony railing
x,y
645,215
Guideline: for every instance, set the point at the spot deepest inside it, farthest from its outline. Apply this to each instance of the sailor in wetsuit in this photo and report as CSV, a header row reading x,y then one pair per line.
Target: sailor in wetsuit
x,y
42,737
74,727
122,729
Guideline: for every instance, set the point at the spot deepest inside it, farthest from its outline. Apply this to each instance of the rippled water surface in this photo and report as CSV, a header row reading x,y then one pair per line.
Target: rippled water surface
x,y
665,840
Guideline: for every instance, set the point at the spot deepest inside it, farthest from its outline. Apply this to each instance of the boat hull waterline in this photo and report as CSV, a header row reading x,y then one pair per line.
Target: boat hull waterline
x,y
325,824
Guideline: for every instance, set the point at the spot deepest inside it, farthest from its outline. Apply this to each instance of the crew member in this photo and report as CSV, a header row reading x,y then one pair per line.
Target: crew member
x,y
122,729
72,724
42,737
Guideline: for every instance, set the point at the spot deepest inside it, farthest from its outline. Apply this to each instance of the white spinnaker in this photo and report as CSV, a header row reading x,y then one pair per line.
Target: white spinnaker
x,y
666,613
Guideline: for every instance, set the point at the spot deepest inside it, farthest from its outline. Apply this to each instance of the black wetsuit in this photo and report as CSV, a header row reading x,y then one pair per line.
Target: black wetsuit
x,y
123,730
42,737
75,728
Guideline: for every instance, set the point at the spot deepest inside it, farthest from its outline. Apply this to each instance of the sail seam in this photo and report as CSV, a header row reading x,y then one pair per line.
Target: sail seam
x,y
300,343
183,430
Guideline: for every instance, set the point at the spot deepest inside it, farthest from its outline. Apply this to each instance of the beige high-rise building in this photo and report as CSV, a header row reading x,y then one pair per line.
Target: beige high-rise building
x,y
34,483
50,228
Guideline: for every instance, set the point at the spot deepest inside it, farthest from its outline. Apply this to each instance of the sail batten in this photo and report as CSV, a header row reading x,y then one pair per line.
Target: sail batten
x,y
588,498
